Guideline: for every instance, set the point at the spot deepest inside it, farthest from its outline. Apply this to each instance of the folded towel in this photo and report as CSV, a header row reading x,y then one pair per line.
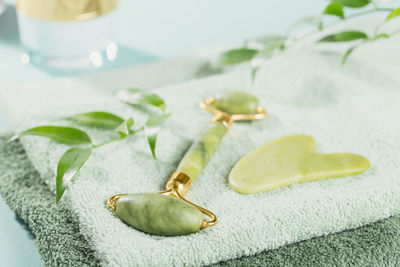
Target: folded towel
x,y
61,244
312,96
58,238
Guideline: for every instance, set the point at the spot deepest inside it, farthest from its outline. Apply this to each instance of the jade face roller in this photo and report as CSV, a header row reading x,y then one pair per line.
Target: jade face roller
x,y
168,213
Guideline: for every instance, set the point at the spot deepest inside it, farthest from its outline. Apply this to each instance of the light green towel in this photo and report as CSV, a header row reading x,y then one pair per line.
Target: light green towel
x,y
57,234
61,244
304,92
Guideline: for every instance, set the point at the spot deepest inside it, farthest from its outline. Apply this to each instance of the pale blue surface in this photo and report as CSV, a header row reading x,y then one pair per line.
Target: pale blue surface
x,y
147,30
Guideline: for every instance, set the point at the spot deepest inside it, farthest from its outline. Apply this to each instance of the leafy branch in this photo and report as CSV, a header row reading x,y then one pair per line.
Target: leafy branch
x,y
274,44
81,144
138,97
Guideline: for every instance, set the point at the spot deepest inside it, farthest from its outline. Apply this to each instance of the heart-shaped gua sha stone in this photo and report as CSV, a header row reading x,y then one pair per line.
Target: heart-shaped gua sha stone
x,y
289,160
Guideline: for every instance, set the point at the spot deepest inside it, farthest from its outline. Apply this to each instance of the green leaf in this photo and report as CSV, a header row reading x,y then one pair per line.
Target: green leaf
x,y
141,97
151,129
344,36
236,56
68,166
352,3
125,128
381,35
270,43
66,135
272,40
395,13
254,71
98,118
308,20
334,9
207,69
347,54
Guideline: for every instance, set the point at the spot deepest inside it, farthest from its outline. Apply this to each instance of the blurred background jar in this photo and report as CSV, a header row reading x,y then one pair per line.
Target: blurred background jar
x,y
2,7
68,34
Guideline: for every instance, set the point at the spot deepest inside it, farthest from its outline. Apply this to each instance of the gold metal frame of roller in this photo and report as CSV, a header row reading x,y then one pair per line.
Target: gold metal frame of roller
x,y
228,119
179,183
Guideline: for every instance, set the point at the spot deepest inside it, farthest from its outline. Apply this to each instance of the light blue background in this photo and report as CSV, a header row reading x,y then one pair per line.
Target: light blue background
x,y
148,30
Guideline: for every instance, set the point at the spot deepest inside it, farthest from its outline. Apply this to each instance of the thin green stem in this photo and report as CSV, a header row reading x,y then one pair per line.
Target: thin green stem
x,y
366,12
107,142
131,132
352,16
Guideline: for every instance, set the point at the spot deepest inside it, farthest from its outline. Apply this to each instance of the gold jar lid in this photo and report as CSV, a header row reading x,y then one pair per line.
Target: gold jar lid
x,y
66,10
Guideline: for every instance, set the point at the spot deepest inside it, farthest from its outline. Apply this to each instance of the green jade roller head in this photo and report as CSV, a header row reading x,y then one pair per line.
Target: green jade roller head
x,y
168,213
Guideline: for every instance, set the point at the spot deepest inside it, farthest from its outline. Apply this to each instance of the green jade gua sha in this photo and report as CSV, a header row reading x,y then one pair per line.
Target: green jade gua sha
x,y
168,213
289,160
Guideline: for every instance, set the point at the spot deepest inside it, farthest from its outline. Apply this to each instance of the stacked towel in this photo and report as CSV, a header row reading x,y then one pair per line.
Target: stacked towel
x,y
61,244
304,92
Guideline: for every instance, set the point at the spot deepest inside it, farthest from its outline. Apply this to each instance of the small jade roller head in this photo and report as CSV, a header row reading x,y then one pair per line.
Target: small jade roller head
x,y
230,106
236,102
168,213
